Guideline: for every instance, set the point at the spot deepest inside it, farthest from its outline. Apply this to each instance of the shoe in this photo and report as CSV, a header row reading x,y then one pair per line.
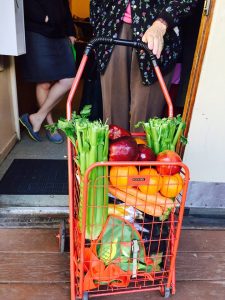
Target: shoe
x,y
24,120
54,137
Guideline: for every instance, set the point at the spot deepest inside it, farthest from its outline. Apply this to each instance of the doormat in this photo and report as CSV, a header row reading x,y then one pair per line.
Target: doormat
x,y
35,177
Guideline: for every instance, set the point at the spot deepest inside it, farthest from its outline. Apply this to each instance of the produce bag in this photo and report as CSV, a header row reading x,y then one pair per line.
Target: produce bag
x,y
117,256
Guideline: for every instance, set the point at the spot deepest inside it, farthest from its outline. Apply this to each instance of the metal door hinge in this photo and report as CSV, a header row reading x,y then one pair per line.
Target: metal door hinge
x,y
206,8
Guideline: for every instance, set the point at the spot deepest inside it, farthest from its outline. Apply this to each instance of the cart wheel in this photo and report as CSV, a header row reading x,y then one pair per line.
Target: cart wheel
x,y
165,292
85,296
62,236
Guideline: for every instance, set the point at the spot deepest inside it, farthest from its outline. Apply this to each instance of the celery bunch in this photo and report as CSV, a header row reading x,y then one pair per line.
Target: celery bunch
x,y
164,133
92,146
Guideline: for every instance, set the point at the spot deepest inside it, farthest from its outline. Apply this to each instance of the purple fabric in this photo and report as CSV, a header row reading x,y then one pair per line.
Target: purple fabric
x,y
176,74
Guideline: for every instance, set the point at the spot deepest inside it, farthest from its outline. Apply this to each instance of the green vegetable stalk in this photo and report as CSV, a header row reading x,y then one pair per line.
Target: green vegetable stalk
x,y
92,146
98,183
164,133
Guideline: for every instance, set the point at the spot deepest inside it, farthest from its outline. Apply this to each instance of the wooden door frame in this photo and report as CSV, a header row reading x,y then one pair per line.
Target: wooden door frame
x,y
201,45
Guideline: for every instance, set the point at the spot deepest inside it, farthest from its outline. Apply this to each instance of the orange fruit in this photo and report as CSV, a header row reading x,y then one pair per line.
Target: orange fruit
x,y
171,185
154,184
119,175
140,141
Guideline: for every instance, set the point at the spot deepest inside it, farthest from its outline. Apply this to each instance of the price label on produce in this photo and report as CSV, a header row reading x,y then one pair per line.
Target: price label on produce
x,y
138,180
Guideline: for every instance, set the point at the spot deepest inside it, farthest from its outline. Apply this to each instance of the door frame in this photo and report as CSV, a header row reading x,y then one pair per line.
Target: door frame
x,y
11,137
200,50
14,96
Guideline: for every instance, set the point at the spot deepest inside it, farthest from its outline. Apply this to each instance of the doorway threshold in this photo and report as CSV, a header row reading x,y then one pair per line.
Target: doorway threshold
x,y
33,201
204,222
32,216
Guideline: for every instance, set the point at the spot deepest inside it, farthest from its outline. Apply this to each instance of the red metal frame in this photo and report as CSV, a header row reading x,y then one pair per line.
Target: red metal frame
x,y
77,251
175,237
71,174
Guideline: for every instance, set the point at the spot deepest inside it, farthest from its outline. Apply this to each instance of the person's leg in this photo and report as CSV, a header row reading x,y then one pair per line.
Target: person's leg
x,y
54,96
146,101
115,84
42,91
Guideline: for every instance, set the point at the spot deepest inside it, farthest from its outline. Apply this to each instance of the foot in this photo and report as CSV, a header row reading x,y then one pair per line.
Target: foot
x,y
36,120
25,121
54,137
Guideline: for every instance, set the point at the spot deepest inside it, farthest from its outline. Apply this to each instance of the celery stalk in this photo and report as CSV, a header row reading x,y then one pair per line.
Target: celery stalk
x,y
163,134
148,134
155,136
102,192
91,209
177,135
98,198
92,146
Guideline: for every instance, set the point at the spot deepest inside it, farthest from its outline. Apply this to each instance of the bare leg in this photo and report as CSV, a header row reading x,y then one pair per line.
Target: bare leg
x,y
54,96
42,91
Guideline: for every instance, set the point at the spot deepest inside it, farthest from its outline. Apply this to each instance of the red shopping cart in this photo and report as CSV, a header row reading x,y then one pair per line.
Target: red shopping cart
x,y
136,246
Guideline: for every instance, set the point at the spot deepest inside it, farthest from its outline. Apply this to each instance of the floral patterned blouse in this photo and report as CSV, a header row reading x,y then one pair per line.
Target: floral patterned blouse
x,y
107,19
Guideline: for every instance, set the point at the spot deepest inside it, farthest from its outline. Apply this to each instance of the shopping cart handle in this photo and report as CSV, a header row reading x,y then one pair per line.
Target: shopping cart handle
x,y
111,41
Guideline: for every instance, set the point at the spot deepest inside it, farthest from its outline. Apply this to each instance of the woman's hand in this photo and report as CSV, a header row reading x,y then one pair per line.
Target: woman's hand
x,y
72,39
153,36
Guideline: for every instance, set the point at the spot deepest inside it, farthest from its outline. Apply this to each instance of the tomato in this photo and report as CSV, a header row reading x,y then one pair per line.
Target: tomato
x,y
154,184
171,185
168,156
119,175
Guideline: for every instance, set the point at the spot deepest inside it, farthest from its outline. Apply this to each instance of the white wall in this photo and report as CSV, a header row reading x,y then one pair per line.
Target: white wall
x,y
12,36
205,152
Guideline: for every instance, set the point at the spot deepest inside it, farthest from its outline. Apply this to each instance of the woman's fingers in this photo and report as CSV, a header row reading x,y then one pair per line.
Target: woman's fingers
x,y
155,43
150,42
156,46
158,54
154,37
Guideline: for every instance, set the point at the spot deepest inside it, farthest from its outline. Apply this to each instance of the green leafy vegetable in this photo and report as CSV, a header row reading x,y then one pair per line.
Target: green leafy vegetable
x,y
91,142
164,133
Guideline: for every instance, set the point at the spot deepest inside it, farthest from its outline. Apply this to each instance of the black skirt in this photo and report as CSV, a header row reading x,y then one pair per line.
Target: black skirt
x,y
47,59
